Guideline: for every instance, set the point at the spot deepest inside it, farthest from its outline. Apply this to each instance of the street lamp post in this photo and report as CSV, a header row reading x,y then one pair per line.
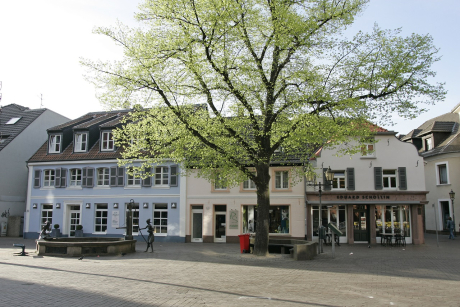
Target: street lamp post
x,y
452,197
329,174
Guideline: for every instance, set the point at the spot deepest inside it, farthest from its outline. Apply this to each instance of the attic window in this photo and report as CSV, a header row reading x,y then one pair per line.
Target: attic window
x,y
3,138
13,121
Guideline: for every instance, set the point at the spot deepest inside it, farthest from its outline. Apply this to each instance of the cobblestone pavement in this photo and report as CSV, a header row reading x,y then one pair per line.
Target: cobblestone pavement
x,y
197,274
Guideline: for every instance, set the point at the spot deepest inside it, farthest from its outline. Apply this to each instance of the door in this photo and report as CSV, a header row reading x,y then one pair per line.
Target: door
x,y
220,223
197,223
74,219
361,223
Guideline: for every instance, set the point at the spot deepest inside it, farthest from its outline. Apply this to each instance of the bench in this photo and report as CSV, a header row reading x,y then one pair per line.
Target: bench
x,y
23,253
299,249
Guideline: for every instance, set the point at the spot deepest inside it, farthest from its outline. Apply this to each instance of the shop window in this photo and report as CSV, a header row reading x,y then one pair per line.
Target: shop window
x,y
335,215
278,219
392,219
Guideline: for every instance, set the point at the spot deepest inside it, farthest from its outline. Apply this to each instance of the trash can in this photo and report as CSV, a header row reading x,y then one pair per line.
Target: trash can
x,y
244,243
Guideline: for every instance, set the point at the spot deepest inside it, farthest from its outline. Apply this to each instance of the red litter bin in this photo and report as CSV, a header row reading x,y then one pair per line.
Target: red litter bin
x,y
244,243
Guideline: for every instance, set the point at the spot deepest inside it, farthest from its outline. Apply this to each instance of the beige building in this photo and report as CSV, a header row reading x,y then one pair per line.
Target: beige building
x,y
378,192
438,142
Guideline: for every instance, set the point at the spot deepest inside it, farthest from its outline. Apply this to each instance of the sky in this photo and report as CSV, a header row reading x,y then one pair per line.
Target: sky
x,y
42,42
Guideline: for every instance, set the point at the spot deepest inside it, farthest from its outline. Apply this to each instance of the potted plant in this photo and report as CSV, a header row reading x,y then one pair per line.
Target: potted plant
x,y
79,231
56,232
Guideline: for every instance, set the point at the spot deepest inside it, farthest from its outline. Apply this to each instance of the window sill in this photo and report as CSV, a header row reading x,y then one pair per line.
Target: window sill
x,y
102,187
161,187
74,188
442,184
47,188
220,191
373,157
137,187
282,190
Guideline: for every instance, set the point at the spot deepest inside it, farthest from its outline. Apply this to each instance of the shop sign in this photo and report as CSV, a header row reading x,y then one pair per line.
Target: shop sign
x,y
115,219
364,197
233,219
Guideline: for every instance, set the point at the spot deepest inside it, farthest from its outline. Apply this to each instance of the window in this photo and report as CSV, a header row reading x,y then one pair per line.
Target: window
x,y
107,141
3,138
161,176
100,219
160,218
220,183
81,140
75,177
428,144
334,214
338,183
55,143
368,150
13,121
393,219
135,211
134,179
389,179
46,215
282,180
248,184
442,174
278,218
103,177
48,178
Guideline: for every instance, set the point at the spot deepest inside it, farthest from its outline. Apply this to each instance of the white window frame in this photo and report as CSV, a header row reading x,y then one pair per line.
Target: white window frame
x,y
54,144
107,141
103,177
81,142
368,151
161,176
135,210
133,180
388,178
75,173
282,180
158,216
220,183
248,184
49,215
99,214
438,177
339,177
428,143
48,178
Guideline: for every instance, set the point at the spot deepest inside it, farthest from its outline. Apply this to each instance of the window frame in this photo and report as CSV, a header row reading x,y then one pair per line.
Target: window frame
x,y
438,175
107,144
133,180
282,179
53,143
78,143
74,182
134,210
428,143
51,174
223,187
101,210
389,176
161,210
338,179
98,178
164,172
48,217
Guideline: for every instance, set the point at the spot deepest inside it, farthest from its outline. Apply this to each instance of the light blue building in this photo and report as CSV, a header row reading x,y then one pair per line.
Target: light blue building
x,y
74,180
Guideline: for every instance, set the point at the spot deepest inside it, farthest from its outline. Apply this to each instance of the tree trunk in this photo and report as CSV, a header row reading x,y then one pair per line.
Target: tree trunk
x,y
263,206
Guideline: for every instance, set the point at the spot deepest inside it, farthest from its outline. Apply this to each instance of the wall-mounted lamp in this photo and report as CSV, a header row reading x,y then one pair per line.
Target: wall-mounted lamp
x,y
146,205
88,205
58,206
34,206
174,205
115,205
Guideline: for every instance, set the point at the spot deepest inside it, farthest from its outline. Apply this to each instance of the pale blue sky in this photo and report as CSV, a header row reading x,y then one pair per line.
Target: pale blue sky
x,y
41,42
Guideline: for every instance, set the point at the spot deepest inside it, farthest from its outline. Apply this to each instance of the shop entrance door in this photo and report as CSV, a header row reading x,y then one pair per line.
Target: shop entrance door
x,y
220,224
74,219
361,223
197,223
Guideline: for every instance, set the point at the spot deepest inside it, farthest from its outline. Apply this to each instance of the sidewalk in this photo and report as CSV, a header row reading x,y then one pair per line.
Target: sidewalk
x,y
179,274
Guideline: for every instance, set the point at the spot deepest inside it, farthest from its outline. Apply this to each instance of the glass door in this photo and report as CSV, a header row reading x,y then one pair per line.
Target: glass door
x,y
335,215
74,219
220,223
197,223
360,223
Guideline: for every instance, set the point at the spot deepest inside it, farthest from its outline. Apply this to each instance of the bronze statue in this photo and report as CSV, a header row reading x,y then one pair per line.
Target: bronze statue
x,y
45,229
151,237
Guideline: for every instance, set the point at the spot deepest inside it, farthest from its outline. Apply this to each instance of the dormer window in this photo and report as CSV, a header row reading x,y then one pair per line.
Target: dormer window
x,y
55,143
107,143
428,144
81,142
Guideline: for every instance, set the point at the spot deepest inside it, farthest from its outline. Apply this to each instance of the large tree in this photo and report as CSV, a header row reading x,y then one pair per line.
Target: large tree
x,y
220,85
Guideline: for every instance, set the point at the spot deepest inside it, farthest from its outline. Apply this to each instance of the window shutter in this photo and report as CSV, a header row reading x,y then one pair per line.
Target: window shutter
x,y
402,178
84,177
120,176
326,185
57,178
173,176
378,178
350,179
113,176
63,177
147,182
37,176
89,177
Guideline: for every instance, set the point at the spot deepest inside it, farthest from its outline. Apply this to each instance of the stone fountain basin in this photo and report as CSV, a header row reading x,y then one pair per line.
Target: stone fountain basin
x,y
86,246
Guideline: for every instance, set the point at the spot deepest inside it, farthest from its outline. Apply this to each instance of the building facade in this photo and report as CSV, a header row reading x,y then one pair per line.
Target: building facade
x,y
378,191
438,142
74,179
22,132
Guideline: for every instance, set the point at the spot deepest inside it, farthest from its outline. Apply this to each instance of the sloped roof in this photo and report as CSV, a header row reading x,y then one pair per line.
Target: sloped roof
x,y
26,117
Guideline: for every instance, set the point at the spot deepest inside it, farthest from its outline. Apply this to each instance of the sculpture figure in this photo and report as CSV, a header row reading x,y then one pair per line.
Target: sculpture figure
x,y
45,230
151,237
